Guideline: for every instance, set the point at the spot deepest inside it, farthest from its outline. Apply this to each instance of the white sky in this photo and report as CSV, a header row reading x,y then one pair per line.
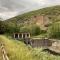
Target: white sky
x,y
11,8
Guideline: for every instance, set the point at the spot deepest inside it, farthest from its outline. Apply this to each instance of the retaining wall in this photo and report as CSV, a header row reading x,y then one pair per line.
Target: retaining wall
x,y
38,42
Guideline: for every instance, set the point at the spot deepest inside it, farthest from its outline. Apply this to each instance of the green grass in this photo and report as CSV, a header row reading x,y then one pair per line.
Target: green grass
x,y
41,36
17,50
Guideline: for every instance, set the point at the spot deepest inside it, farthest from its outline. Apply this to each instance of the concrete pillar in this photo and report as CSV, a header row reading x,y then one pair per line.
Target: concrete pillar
x,y
14,35
22,35
18,36
29,35
26,35
31,43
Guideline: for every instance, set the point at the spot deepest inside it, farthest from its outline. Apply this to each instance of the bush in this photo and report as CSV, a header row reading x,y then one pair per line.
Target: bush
x,y
33,29
24,29
2,27
54,30
11,29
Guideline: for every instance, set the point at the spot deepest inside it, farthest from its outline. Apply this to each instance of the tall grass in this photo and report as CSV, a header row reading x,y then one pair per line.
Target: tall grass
x,y
17,50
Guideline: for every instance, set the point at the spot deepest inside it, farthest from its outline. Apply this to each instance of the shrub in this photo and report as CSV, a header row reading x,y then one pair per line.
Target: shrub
x,y
11,29
2,27
54,30
33,29
24,29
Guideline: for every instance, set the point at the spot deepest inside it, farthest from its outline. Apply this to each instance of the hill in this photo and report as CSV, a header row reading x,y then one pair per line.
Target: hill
x,y
53,13
28,22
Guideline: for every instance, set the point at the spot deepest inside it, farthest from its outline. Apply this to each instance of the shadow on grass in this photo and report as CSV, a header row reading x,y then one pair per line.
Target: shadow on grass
x,y
51,52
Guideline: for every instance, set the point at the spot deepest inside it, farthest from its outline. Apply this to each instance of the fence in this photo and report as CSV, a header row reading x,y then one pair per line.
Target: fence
x,y
4,54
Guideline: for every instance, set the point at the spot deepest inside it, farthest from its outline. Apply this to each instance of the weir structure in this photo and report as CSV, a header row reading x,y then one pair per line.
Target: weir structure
x,y
22,35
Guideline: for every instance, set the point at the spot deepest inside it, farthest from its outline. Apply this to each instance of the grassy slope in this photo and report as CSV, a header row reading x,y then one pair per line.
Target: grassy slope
x,y
16,50
19,51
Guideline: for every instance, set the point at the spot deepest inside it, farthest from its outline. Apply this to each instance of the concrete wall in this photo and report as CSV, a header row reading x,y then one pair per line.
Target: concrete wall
x,y
38,42
41,43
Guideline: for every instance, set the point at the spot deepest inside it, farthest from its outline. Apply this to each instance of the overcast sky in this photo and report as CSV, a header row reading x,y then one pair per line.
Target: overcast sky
x,y
11,8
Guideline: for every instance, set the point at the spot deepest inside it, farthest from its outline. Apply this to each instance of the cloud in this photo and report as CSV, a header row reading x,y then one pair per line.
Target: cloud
x,y
5,15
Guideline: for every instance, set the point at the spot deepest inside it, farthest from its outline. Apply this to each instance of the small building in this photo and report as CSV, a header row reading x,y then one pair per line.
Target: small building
x,y
22,35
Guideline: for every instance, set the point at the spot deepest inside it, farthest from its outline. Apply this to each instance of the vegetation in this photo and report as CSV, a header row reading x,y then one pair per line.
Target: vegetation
x,y
17,24
33,29
17,50
2,27
54,30
53,13
8,29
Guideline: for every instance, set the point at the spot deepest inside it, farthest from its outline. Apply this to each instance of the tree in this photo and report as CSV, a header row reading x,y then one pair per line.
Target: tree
x,y
33,29
54,30
2,27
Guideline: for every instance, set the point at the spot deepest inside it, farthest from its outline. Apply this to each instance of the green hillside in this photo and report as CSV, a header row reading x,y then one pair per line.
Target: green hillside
x,y
18,23
53,13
